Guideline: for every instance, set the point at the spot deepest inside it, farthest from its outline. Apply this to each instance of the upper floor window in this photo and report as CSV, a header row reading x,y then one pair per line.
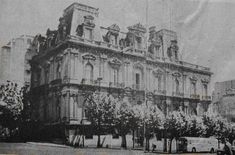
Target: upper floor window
x,y
88,33
157,51
115,75
58,71
205,90
193,88
139,42
89,71
113,39
177,90
159,82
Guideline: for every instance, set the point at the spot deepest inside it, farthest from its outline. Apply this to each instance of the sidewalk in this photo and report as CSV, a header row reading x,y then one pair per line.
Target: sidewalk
x,y
48,144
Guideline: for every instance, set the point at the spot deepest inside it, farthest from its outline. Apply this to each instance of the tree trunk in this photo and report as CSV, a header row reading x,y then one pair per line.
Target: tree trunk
x,y
133,138
98,142
170,145
147,144
123,145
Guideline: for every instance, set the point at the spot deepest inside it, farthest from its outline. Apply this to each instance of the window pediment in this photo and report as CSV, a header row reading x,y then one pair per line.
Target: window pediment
x,y
89,21
157,72
139,66
115,62
89,57
114,28
176,74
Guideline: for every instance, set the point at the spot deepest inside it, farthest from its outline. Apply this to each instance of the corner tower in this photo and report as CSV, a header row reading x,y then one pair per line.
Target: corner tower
x,y
84,21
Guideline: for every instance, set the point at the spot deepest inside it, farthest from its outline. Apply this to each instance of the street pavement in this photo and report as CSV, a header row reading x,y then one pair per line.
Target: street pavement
x,y
32,148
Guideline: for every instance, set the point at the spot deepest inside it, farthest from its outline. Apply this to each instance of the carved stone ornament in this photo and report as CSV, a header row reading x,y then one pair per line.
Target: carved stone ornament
x,y
137,27
114,29
89,57
115,62
176,74
193,78
157,72
139,66
205,80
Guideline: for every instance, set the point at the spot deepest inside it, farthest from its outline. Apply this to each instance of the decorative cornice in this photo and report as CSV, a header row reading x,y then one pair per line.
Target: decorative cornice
x,y
137,27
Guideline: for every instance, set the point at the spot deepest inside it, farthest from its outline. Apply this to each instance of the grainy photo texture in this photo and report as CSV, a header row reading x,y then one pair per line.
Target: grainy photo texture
x,y
128,77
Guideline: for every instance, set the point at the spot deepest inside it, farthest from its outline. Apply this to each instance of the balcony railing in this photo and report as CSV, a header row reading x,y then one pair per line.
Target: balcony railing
x,y
195,96
177,94
206,98
160,92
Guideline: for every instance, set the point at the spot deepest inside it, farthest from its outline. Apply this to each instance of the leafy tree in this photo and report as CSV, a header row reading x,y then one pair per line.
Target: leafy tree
x,y
125,120
195,126
11,106
175,125
151,119
100,108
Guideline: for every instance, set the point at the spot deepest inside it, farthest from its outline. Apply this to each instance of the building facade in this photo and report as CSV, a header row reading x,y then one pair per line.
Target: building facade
x,y
224,99
14,60
82,56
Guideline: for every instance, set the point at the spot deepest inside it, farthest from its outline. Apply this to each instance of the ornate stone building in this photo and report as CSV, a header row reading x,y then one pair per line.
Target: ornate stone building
x,y
81,56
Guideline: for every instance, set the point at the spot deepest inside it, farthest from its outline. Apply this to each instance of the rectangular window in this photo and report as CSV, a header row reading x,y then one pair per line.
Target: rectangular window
x,y
139,42
137,80
115,76
88,34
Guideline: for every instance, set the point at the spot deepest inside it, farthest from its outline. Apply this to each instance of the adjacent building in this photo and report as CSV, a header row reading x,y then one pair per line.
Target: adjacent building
x,y
224,99
14,60
82,56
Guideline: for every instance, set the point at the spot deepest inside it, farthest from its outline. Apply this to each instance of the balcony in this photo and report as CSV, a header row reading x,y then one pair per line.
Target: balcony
x,y
177,94
206,98
160,92
195,96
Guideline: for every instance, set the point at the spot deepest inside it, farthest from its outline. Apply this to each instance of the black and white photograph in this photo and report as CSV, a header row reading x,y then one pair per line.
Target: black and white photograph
x,y
117,77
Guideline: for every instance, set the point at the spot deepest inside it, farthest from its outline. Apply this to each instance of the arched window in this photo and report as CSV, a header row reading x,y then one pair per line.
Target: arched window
x,y
89,72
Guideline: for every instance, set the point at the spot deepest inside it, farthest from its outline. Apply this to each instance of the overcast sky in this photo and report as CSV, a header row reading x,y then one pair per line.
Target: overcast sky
x,y
205,28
